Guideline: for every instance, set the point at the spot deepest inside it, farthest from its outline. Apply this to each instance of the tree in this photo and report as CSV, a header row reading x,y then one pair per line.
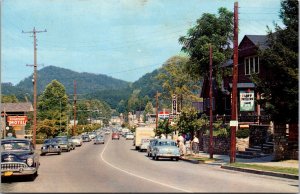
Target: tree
x,y
280,89
9,99
214,30
177,81
164,128
189,122
52,109
148,110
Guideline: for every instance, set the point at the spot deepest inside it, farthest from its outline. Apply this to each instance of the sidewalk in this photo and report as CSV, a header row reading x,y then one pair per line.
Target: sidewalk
x,y
224,160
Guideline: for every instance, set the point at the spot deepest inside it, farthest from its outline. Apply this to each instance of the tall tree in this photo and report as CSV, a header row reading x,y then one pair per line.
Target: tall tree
x,y
52,106
280,90
177,81
214,30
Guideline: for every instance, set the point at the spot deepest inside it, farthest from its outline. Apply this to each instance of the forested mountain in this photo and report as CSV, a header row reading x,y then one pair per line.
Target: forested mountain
x,y
148,84
89,86
86,82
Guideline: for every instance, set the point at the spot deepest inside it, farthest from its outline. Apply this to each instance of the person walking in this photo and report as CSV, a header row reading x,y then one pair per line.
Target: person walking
x,y
195,145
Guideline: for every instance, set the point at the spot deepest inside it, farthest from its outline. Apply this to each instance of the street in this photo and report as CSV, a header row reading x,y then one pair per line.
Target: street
x,y
117,167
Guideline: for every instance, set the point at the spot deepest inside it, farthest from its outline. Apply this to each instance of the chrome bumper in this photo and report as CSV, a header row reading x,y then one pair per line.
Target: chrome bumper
x,y
16,168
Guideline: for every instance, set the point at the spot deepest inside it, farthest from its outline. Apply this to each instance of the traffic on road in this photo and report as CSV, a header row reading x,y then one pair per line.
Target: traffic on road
x,y
116,166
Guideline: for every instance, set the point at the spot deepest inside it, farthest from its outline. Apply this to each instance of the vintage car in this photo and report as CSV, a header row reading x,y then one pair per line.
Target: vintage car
x,y
50,146
18,157
64,143
129,135
115,135
144,144
150,147
165,148
77,140
99,139
86,138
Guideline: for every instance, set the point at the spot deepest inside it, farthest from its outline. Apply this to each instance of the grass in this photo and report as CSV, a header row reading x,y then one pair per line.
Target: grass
x,y
286,170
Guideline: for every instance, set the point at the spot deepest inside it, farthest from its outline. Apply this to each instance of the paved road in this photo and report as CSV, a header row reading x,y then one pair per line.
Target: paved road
x,y
117,167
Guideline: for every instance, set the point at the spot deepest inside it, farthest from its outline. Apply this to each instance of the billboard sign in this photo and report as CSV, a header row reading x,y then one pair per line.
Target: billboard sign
x,y
174,104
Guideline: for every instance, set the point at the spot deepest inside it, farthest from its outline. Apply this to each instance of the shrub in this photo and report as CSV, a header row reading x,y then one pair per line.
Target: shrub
x,y
242,133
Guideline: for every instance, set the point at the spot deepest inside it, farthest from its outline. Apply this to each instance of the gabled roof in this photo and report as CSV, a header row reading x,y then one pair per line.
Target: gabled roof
x,y
16,107
258,40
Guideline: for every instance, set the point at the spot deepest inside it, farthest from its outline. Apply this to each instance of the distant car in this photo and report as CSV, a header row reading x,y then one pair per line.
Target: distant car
x,y
64,143
77,140
165,148
144,144
107,132
99,139
129,135
150,147
18,157
115,135
50,146
86,138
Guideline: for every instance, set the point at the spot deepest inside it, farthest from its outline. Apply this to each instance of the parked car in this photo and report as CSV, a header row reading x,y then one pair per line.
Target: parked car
x,y
99,139
115,135
165,148
77,140
86,138
92,135
129,136
50,146
144,144
72,144
18,157
150,147
64,143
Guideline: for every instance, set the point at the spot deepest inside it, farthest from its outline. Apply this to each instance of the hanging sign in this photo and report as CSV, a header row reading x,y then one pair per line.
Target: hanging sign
x,y
247,100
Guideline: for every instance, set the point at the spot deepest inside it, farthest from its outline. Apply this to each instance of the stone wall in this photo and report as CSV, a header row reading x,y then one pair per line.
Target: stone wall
x,y
242,144
280,142
221,145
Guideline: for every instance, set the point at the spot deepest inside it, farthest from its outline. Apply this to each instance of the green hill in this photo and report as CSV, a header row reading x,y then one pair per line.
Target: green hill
x,y
85,82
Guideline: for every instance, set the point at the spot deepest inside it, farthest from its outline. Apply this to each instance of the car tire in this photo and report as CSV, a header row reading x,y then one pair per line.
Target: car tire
x,y
153,158
42,154
176,158
59,153
31,177
156,157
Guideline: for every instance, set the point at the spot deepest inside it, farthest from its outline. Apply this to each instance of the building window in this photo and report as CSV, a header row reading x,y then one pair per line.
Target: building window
x,y
251,65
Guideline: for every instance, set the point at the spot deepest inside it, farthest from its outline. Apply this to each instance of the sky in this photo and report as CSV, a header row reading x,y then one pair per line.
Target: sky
x,y
124,39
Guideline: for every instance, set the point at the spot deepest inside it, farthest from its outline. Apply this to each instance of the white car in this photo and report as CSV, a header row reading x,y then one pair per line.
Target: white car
x,y
144,144
129,136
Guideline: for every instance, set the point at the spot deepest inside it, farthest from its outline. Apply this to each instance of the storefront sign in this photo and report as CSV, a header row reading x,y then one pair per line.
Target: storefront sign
x,y
17,120
247,100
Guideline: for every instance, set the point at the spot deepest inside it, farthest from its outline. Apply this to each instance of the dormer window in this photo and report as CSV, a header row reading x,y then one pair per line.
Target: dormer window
x,y
251,65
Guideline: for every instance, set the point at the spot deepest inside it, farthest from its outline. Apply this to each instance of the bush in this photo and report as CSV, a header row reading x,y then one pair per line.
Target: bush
x,y
242,133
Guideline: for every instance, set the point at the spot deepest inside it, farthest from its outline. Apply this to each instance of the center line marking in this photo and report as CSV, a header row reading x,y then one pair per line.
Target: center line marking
x,y
170,186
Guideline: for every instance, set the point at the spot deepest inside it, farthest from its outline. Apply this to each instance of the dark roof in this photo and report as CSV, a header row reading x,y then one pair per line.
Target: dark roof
x,y
16,107
259,40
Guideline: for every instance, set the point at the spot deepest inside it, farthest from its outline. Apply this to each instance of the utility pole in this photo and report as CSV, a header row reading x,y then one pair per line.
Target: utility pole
x,y
34,82
74,128
234,117
156,109
210,105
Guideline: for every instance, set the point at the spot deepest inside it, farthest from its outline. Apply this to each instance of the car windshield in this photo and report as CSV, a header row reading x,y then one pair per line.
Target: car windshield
x,y
166,143
15,145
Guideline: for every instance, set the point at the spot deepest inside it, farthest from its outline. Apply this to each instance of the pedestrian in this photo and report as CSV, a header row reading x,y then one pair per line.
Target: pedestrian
x,y
182,148
195,144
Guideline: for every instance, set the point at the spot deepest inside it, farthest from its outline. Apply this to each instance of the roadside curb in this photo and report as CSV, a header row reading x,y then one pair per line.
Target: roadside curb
x,y
191,161
269,173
